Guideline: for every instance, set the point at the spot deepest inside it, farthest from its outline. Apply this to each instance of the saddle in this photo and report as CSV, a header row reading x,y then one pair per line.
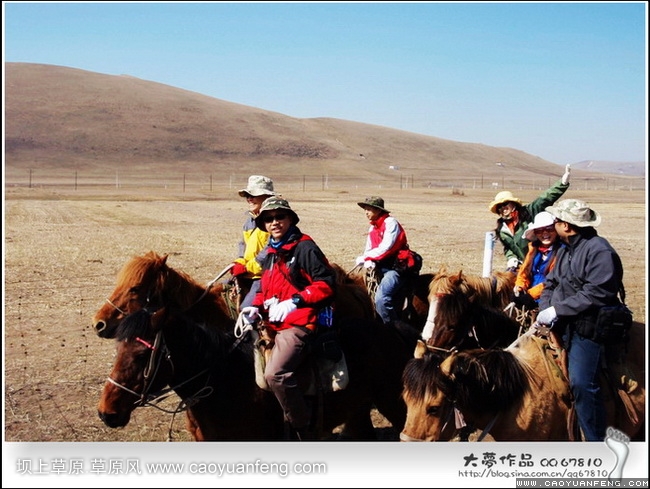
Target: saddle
x,y
327,368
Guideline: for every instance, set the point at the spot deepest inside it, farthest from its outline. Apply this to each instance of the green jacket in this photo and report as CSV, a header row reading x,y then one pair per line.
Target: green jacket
x,y
516,246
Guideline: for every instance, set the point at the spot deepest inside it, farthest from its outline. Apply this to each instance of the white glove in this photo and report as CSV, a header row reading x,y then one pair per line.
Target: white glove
x,y
565,177
278,312
251,314
512,263
369,264
547,316
360,260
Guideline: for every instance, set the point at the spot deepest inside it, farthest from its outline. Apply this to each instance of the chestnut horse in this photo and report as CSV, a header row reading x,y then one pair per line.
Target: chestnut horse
x,y
519,393
466,311
173,332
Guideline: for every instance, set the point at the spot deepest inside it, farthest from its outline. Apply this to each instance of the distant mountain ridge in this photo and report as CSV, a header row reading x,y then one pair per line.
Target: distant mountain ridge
x,y
635,168
60,117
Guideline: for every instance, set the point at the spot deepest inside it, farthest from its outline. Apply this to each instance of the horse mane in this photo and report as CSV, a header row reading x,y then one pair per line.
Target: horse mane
x,y
421,374
342,276
493,290
134,326
170,286
492,379
151,263
355,298
496,288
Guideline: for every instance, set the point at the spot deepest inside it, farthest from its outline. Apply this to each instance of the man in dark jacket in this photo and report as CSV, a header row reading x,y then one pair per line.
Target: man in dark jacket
x,y
588,276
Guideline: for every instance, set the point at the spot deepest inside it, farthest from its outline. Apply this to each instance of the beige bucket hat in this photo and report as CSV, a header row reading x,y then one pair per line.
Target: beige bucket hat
x,y
502,198
575,212
258,185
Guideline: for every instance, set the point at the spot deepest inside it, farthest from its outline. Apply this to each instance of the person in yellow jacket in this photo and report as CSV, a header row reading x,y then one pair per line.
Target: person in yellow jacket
x,y
247,267
543,245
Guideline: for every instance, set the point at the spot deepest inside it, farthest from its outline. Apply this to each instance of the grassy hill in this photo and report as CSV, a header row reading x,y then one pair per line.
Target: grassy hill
x,y
64,118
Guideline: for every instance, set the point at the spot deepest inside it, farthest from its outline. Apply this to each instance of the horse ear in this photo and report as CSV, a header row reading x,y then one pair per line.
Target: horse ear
x,y
420,349
163,259
447,365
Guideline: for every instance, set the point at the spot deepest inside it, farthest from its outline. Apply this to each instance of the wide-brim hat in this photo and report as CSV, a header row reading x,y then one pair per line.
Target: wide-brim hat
x,y
271,204
258,185
502,198
575,212
376,202
542,220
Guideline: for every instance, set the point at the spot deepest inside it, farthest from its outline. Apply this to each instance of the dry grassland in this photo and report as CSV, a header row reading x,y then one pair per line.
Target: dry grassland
x,y
63,249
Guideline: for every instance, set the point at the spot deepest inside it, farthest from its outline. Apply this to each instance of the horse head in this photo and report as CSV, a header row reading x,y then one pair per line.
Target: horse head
x,y
141,367
138,286
449,302
147,282
428,397
467,311
157,352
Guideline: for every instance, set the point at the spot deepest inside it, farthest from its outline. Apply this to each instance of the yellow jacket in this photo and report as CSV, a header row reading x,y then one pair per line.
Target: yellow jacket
x,y
254,241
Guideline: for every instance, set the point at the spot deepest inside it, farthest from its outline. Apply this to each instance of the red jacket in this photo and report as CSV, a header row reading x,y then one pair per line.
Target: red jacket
x,y
297,267
385,238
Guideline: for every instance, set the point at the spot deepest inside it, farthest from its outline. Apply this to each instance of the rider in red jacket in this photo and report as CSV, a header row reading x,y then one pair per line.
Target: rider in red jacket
x,y
297,282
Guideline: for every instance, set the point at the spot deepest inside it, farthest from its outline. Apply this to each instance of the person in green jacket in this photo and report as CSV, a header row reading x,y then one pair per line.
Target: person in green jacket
x,y
514,217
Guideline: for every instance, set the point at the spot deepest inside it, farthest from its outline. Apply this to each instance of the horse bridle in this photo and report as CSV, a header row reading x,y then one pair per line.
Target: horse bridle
x,y
159,351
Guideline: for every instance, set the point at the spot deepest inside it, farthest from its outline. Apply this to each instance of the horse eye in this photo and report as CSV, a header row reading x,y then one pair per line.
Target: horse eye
x,y
433,410
134,290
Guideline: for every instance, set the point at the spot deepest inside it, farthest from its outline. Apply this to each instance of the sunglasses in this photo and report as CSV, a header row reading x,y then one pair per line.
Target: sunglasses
x,y
546,229
507,206
274,217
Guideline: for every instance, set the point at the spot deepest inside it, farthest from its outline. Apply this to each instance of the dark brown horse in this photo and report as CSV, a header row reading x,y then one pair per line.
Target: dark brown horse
x,y
172,332
519,393
466,311
159,351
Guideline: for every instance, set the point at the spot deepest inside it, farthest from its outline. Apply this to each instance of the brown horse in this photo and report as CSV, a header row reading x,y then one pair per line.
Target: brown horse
x,y
466,311
519,393
172,332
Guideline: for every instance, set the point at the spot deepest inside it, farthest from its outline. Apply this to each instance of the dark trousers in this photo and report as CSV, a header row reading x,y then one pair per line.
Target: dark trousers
x,y
584,357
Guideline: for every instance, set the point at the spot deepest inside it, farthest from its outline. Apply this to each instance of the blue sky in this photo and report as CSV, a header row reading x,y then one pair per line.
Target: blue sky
x,y
563,81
